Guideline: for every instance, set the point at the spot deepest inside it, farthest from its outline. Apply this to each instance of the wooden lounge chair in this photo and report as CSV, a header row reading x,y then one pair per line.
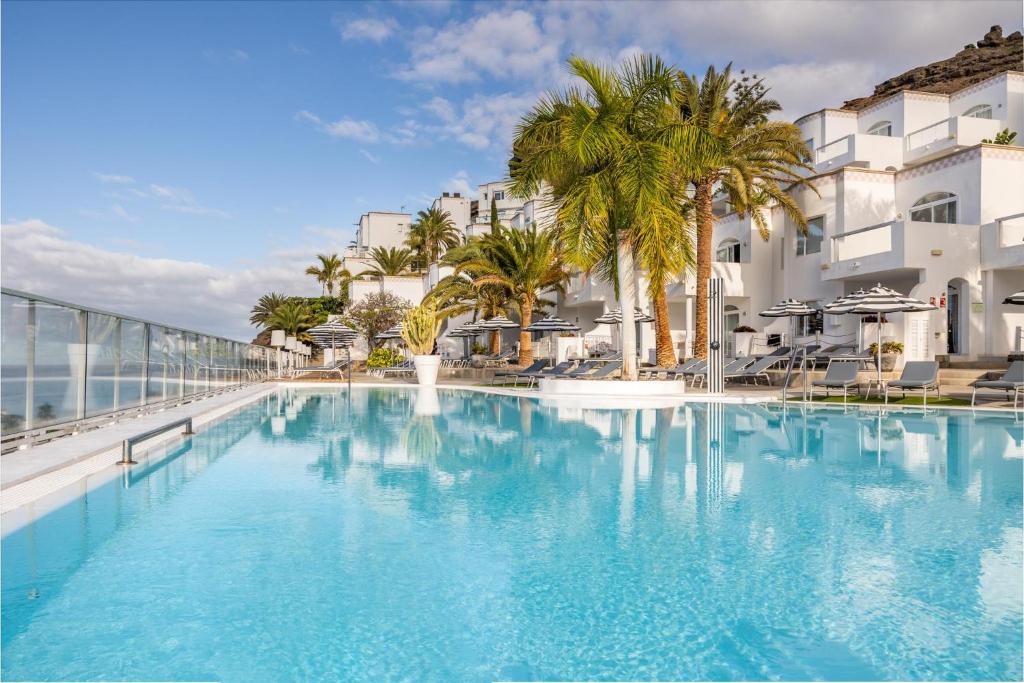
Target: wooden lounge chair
x,y
1012,380
917,375
841,374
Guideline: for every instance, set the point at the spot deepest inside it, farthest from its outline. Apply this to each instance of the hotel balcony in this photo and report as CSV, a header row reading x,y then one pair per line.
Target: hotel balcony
x,y
895,246
864,151
952,134
1002,243
737,279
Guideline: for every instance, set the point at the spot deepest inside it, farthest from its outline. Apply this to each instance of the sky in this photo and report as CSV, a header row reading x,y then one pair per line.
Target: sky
x,y
176,160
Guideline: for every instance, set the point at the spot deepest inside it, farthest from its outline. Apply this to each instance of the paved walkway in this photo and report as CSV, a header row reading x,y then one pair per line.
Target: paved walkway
x,y
35,461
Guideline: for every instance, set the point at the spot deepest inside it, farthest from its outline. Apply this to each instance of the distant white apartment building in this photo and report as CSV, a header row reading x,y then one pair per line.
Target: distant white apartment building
x,y
908,196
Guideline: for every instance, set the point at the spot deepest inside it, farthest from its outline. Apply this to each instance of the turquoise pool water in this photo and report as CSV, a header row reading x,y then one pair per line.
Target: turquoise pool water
x,y
461,536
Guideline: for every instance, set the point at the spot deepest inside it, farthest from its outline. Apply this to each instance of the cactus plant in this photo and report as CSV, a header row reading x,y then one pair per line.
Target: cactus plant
x,y
421,327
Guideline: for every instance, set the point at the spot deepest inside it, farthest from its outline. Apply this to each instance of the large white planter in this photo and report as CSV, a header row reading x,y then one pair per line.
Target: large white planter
x,y
744,343
426,369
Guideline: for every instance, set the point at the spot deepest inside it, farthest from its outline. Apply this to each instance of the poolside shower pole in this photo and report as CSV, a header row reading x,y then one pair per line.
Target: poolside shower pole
x,y
716,375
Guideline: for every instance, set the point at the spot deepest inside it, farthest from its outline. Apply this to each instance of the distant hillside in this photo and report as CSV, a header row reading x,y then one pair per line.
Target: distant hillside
x,y
992,55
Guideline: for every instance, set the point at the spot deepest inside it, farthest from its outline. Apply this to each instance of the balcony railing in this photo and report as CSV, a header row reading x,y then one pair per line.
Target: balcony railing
x,y
62,363
1011,230
874,239
928,134
836,148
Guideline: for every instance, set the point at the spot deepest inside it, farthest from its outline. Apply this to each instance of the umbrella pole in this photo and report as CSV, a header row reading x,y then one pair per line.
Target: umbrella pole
x,y
878,349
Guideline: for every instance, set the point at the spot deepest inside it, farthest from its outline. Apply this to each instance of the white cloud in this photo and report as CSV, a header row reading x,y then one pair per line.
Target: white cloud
x,y
237,55
122,213
375,30
345,127
485,121
174,194
113,178
298,49
441,108
459,183
182,200
370,157
501,43
41,259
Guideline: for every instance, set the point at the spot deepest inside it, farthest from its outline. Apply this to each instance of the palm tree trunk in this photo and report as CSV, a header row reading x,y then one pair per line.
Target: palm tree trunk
x,y
626,273
664,352
525,338
495,341
705,225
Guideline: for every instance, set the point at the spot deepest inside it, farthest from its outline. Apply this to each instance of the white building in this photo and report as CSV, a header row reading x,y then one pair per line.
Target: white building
x,y
908,196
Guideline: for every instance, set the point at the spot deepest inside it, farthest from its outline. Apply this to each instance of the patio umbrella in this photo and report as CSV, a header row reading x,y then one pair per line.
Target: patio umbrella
x,y
332,334
792,309
498,322
843,304
879,300
615,318
552,324
1015,299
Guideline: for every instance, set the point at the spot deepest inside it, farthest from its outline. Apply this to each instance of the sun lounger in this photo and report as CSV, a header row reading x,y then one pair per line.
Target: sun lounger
x,y
730,366
582,369
559,370
337,367
603,372
917,375
536,366
653,372
1012,380
841,374
758,368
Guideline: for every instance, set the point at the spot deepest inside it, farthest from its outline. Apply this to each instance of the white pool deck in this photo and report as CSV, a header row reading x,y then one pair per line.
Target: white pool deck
x,y
38,471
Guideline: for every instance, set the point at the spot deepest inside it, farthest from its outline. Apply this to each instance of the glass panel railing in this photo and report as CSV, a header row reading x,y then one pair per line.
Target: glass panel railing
x,y
60,362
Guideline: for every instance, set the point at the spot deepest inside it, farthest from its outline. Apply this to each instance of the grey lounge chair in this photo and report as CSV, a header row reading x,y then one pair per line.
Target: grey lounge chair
x,y
337,367
535,366
919,375
602,372
730,367
1012,380
652,372
758,368
583,368
841,374
559,370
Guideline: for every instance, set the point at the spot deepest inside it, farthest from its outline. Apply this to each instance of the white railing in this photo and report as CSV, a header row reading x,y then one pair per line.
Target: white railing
x,y
929,134
834,149
874,239
1010,231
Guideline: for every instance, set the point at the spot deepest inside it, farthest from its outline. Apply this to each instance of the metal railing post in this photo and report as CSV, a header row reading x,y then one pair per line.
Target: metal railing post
x,y
30,363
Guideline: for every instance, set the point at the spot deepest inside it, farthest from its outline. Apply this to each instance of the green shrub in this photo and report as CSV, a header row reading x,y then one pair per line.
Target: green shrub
x,y
383,358
887,347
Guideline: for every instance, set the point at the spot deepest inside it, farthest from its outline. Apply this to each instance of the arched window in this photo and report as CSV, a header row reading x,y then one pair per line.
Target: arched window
x,y
728,251
881,128
980,111
935,207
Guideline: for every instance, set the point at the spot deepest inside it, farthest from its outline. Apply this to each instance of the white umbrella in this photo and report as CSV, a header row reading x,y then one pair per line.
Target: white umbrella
x,y
1015,299
393,332
879,300
552,324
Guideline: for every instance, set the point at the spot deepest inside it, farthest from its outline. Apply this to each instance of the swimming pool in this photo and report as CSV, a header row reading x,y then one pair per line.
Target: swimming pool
x,y
391,534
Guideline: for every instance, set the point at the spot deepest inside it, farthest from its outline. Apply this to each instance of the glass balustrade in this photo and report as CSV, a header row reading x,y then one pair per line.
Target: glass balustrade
x,y
60,362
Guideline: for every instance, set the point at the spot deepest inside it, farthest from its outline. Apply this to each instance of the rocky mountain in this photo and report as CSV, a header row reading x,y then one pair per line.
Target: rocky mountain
x,y
991,55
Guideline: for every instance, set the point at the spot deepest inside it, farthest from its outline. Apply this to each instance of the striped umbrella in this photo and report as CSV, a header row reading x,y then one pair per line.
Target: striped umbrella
x,y
498,322
332,334
879,300
1015,299
615,317
552,324
793,309
393,332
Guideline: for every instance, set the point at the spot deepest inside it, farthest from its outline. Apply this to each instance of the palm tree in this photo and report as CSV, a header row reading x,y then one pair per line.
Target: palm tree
x,y
389,261
609,153
292,316
456,294
525,264
265,307
759,160
328,272
431,235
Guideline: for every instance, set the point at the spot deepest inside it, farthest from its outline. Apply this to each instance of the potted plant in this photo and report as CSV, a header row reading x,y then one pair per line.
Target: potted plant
x,y
891,350
420,332
743,340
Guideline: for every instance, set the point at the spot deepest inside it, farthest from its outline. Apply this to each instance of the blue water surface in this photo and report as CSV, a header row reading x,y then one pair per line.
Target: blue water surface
x,y
392,534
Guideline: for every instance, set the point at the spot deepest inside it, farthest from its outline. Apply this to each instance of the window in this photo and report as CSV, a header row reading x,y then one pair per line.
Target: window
x,y
728,252
809,324
499,195
810,144
980,111
881,128
811,242
935,207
